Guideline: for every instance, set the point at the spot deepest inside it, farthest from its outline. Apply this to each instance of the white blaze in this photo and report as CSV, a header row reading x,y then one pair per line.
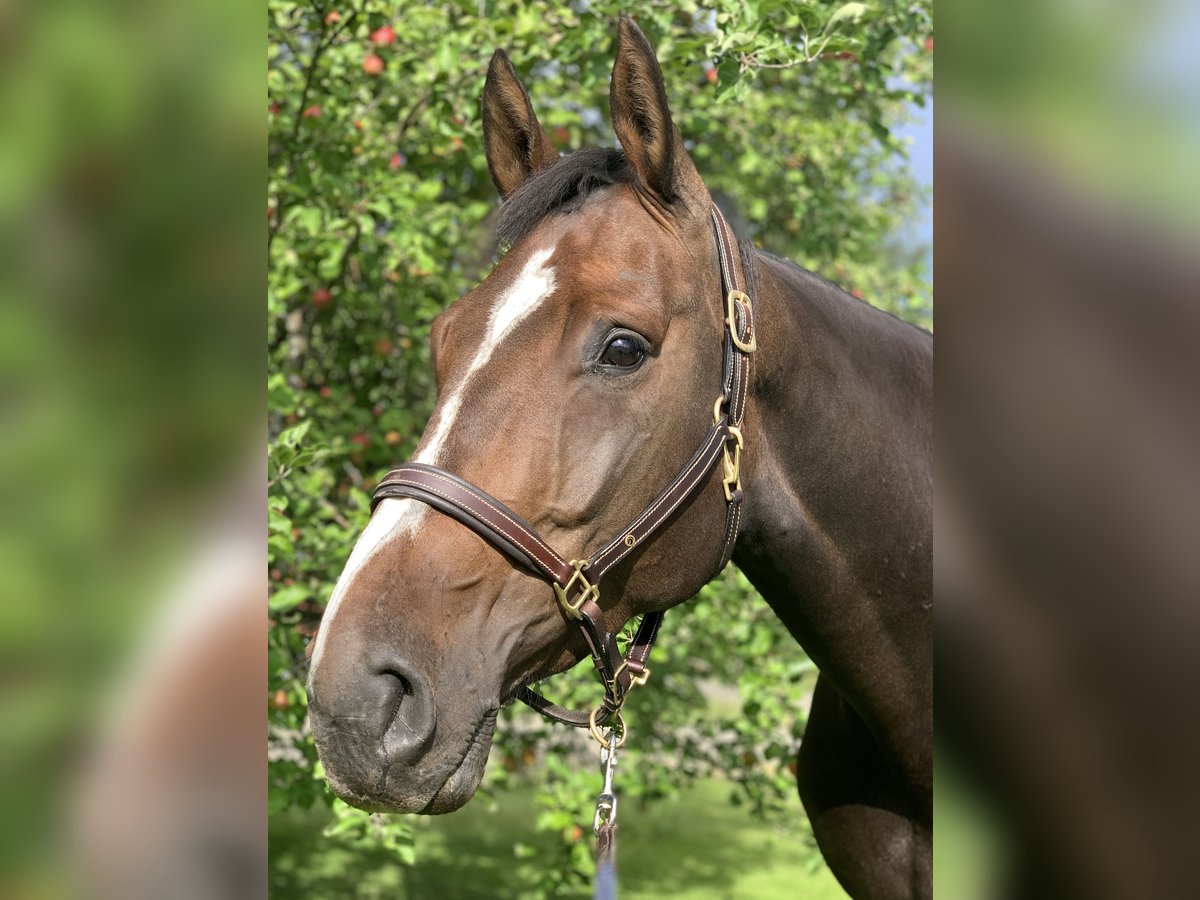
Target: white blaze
x,y
395,518
535,284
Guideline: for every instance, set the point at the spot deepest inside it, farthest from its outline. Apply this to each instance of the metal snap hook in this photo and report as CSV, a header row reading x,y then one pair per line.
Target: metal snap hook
x,y
606,803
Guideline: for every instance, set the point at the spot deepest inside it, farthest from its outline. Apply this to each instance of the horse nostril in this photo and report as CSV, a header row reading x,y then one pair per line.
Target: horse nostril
x,y
406,688
402,689
406,685
409,721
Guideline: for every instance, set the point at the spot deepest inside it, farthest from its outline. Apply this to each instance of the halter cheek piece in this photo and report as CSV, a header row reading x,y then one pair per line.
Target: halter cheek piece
x,y
576,582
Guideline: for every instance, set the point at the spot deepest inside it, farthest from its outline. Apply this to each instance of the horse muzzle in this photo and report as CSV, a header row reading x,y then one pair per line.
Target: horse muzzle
x,y
370,724
382,743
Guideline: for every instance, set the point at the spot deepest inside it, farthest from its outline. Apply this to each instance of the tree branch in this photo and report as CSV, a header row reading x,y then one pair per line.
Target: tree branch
x,y
310,74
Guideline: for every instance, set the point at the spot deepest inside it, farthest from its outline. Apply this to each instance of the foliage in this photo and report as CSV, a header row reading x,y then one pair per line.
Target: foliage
x,y
713,851
378,217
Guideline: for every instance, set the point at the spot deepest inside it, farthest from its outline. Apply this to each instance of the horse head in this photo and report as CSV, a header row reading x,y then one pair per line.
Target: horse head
x,y
574,382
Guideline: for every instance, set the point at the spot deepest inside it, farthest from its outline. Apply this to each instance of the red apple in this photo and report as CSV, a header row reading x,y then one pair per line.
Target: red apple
x,y
312,112
373,65
363,440
397,161
322,297
711,75
929,44
383,37
332,17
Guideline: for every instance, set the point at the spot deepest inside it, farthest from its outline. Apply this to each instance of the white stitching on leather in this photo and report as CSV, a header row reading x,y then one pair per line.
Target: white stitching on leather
x,y
687,472
500,512
468,510
731,536
649,511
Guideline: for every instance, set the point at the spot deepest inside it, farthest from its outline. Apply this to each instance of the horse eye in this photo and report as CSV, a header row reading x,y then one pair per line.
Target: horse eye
x,y
622,351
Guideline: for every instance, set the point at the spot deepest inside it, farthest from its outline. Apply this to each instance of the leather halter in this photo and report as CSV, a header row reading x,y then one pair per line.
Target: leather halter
x,y
576,582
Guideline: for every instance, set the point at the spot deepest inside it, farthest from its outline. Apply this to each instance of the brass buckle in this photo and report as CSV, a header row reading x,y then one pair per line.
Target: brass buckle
x,y
732,463
638,680
590,591
731,318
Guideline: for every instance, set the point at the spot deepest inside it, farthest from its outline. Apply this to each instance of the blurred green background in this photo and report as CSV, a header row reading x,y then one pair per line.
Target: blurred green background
x,y
379,215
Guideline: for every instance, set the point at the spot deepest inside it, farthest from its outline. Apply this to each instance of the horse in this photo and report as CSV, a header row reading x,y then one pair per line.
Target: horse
x,y
574,383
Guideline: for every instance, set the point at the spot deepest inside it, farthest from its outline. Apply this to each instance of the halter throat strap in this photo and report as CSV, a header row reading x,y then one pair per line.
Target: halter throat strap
x,y
576,582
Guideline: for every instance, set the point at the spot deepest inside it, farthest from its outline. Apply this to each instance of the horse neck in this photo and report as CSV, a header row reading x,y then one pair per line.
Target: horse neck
x,y
837,534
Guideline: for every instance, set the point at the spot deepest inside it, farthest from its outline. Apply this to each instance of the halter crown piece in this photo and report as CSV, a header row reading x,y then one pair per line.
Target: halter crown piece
x,y
576,582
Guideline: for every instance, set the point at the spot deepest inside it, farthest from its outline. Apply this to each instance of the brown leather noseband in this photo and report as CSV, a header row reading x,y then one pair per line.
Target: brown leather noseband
x,y
576,582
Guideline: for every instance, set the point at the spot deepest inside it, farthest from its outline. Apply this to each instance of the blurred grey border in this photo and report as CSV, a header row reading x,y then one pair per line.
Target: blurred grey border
x,y
132,478
1068,444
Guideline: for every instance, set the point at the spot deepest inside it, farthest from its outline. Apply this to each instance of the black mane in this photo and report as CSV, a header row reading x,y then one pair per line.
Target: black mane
x,y
562,186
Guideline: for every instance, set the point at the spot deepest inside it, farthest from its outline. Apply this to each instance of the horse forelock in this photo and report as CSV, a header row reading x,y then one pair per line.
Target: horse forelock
x,y
561,187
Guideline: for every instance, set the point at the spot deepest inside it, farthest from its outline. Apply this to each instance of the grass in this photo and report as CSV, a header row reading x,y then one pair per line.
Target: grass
x,y
696,846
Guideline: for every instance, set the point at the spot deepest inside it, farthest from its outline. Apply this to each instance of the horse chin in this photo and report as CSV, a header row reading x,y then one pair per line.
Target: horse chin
x,y
462,783
396,793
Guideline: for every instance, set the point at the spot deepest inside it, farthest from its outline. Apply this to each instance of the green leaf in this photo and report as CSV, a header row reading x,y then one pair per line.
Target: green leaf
x,y
288,598
280,397
341,826
307,218
728,74
849,12
280,547
291,437
405,849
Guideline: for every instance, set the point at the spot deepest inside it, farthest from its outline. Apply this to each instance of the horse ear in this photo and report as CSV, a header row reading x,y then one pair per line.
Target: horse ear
x,y
642,121
515,142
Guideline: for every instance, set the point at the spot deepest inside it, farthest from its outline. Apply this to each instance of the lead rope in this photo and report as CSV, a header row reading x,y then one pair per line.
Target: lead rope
x,y
604,825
